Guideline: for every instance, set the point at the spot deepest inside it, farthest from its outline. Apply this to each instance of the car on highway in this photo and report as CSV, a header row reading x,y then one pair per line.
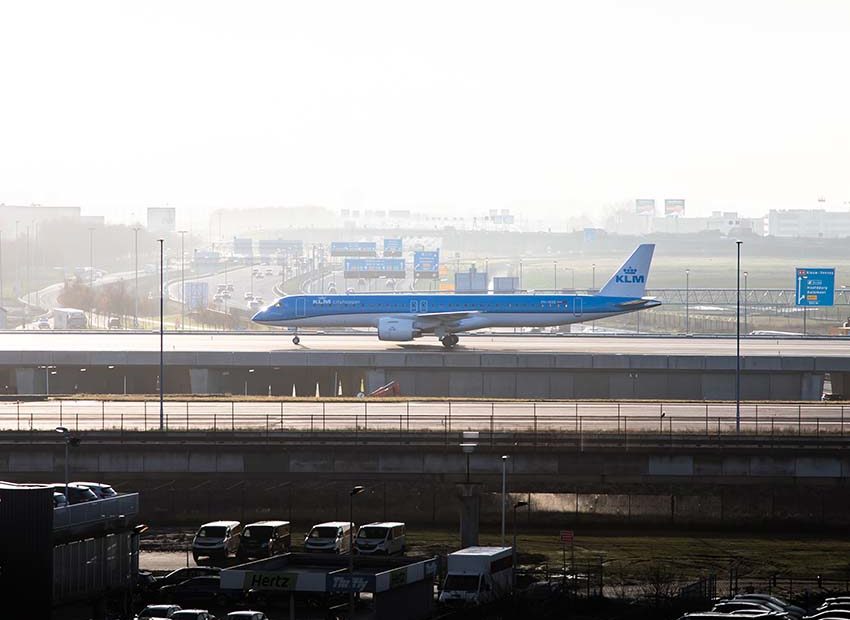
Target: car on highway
x,y
43,323
229,288
269,271
248,295
184,574
114,323
100,489
254,305
77,494
158,611
204,589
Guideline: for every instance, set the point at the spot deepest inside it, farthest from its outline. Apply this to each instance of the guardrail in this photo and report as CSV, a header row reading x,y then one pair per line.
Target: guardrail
x,y
87,513
416,416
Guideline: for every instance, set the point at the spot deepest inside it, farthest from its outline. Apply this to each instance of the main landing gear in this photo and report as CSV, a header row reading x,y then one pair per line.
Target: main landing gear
x,y
449,340
295,339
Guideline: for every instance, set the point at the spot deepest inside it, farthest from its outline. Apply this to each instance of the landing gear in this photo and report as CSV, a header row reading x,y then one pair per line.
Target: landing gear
x,y
449,340
296,340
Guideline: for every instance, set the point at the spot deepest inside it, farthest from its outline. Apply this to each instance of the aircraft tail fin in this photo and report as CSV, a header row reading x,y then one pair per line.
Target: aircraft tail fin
x,y
630,279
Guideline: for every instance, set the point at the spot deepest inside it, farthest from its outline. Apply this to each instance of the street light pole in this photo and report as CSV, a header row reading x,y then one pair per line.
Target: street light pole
x,y
504,493
593,280
687,300
746,327
555,273
161,336
91,257
182,279
738,343
136,300
355,491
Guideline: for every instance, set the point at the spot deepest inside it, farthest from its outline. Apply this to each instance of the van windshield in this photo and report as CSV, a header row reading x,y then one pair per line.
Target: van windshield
x,y
324,532
461,583
373,532
260,532
215,531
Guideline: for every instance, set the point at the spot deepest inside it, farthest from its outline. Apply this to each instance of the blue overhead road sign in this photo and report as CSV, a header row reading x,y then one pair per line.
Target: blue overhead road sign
x,y
815,287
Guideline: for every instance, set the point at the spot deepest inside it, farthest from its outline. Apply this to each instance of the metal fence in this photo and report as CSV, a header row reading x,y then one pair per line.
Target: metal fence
x,y
410,417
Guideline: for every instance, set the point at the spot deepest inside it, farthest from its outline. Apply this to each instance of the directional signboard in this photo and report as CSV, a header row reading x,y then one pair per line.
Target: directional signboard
x,y
426,264
392,247
815,286
354,248
374,268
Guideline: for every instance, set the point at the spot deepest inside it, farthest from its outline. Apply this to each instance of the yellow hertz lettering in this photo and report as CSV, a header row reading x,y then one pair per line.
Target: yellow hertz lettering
x,y
269,581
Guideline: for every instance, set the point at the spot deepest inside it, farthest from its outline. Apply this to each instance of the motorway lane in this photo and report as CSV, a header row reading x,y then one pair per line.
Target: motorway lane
x,y
259,342
404,416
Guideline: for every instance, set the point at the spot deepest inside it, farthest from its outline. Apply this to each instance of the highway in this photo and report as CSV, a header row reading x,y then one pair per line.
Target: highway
x,y
259,342
308,415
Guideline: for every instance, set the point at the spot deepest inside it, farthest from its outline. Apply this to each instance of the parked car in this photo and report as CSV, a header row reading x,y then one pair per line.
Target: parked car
x,y
330,537
59,500
100,489
218,539
77,494
792,610
380,539
247,615
828,614
193,614
158,611
204,589
717,615
264,538
184,574
734,605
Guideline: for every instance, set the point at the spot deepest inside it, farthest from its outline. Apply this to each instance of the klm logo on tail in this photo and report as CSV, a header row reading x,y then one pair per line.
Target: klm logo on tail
x,y
629,276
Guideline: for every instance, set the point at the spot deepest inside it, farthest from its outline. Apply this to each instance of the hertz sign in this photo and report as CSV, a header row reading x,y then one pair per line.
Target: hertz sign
x,y
629,276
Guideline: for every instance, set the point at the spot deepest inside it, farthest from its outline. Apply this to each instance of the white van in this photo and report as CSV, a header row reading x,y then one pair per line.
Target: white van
x,y
383,538
478,575
330,537
217,540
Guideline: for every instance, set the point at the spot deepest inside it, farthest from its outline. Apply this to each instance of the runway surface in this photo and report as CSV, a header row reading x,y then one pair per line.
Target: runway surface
x,y
268,341
308,416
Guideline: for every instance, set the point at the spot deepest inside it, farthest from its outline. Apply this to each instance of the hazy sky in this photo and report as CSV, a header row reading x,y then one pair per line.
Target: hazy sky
x,y
444,105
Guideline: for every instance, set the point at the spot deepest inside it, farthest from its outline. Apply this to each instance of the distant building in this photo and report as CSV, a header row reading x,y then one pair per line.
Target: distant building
x,y
724,222
15,219
811,223
162,220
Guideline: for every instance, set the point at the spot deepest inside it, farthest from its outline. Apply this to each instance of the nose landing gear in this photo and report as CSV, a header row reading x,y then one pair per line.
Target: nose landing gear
x,y
296,340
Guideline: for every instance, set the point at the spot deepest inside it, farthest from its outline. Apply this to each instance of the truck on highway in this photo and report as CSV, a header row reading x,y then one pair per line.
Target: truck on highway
x,y
69,318
478,576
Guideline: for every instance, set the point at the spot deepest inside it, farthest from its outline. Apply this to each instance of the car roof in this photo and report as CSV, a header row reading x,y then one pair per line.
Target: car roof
x,y
333,524
383,524
271,523
220,524
92,484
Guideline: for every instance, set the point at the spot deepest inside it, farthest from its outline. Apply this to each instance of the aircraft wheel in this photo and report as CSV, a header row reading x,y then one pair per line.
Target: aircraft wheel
x,y
296,340
449,340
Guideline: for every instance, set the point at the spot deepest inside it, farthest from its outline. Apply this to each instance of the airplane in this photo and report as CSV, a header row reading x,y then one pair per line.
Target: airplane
x,y
404,317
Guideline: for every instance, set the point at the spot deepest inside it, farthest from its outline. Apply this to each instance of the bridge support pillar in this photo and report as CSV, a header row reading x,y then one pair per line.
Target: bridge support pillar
x,y
470,513
811,386
25,381
205,381
840,383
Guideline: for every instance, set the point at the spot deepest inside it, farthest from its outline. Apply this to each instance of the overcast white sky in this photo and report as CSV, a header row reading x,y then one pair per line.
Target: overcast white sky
x,y
443,105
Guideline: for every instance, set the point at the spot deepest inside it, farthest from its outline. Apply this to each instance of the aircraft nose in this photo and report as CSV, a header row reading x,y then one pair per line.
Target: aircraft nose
x,y
260,316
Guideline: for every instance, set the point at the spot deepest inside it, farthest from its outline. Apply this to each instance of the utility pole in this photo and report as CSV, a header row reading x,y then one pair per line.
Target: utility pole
x,y
91,258
687,300
738,345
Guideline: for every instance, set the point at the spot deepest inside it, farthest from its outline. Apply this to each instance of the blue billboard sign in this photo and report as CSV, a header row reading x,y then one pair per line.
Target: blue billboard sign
x,y
426,264
374,268
354,248
392,247
815,286
197,295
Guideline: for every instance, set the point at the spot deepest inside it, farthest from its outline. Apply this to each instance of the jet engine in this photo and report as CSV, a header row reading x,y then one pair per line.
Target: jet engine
x,y
399,330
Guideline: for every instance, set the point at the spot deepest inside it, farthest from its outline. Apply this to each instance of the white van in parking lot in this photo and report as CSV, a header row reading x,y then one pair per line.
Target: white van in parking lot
x,y
384,538
217,540
330,537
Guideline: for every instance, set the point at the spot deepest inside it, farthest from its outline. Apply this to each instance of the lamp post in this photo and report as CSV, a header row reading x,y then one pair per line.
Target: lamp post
x,y
161,335
593,277
738,343
746,303
555,274
182,279
66,434
91,257
468,449
354,491
136,296
687,300
517,505
520,274
505,458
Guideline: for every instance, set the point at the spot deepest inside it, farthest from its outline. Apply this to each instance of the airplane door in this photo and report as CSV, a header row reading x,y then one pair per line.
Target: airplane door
x,y
300,307
577,306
